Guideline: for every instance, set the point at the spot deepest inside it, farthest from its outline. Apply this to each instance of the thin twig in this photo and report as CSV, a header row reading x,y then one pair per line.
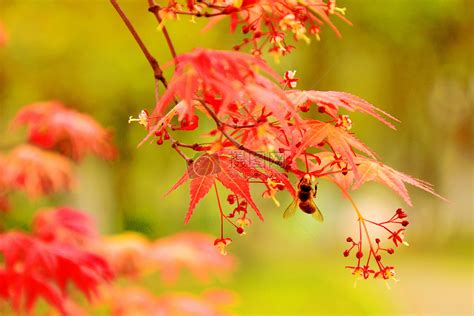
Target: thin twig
x,y
155,9
157,72
240,146
175,146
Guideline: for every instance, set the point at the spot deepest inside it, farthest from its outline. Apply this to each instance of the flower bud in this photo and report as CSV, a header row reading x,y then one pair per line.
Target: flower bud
x,y
346,253
377,240
231,199
405,223
359,254
240,230
349,239
401,213
390,251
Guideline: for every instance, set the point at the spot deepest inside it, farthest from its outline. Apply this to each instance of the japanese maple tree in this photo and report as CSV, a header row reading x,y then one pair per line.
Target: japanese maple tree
x,y
264,129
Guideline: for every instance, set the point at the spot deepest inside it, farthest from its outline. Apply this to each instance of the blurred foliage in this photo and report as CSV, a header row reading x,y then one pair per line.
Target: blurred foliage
x,y
410,58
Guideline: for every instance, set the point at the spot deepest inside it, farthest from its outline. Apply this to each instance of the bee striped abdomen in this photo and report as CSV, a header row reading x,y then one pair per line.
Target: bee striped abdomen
x,y
307,208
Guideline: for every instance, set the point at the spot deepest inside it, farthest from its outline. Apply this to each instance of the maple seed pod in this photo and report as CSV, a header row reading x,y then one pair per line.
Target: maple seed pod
x,y
359,254
349,239
346,253
390,251
231,199
401,213
405,223
240,230
377,240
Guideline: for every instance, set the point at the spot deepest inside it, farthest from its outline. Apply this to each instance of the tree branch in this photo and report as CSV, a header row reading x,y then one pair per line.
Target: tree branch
x,y
157,72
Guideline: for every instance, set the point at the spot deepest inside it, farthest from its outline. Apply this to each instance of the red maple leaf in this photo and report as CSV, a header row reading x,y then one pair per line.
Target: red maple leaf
x,y
35,171
64,224
332,101
225,171
371,170
192,251
341,142
34,268
235,182
224,79
198,188
51,125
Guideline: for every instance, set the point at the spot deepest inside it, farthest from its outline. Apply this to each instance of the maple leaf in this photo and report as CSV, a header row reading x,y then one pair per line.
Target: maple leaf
x,y
332,101
131,301
38,268
371,170
191,304
192,251
51,125
24,290
229,77
340,141
235,182
198,188
127,253
203,175
35,171
252,167
64,224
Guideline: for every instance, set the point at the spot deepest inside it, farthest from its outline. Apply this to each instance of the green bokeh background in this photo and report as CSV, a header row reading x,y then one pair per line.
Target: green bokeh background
x,y
413,59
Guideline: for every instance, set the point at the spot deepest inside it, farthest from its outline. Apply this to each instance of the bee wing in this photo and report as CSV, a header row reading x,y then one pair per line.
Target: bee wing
x,y
291,209
317,215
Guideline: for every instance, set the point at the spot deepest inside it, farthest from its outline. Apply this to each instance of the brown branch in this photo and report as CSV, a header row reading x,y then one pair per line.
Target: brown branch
x,y
155,9
175,146
157,72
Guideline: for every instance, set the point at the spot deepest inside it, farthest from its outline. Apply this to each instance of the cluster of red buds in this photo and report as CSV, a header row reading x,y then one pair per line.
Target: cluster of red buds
x,y
373,251
237,218
262,22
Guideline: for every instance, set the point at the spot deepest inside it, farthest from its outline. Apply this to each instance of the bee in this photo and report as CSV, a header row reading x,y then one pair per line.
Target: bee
x,y
305,200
